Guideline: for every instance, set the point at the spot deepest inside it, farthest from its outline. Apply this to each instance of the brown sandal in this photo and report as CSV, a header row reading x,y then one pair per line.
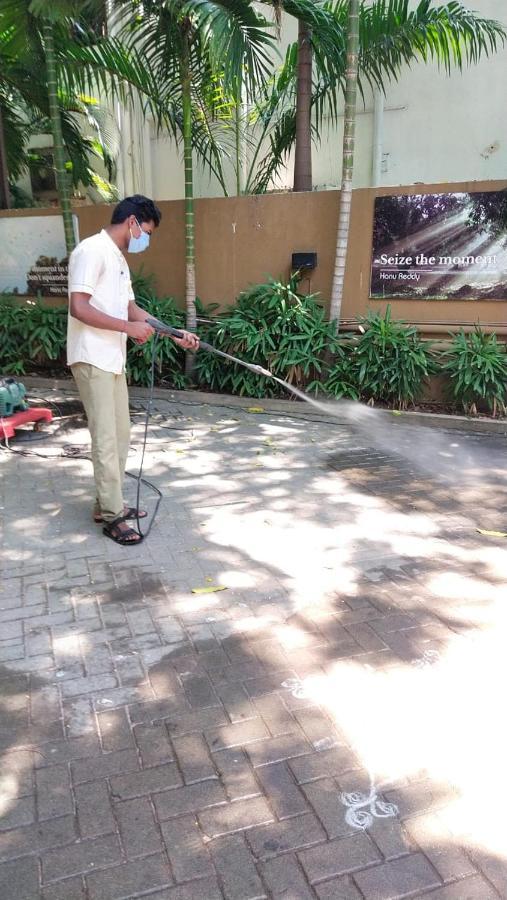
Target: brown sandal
x,y
119,535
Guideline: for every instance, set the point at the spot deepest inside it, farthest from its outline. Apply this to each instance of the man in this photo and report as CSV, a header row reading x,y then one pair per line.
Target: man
x,y
102,314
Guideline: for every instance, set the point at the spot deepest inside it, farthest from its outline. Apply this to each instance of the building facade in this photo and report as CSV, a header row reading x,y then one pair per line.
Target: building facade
x,y
430,127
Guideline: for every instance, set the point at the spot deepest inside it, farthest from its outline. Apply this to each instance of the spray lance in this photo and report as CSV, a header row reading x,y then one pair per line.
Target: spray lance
x,y
162,328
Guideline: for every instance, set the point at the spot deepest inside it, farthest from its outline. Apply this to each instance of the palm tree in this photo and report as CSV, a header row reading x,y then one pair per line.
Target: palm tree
x,y
391,35
4,171
47,15
30,74
347,161
62,179
303,145
187,45
52,64
320,35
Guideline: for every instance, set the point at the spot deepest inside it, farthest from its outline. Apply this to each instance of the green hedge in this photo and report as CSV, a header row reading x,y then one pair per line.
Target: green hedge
x,y
279,328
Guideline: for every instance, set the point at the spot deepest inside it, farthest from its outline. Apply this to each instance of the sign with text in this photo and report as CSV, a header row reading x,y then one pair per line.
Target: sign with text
x,y
49,276
440,247
33,258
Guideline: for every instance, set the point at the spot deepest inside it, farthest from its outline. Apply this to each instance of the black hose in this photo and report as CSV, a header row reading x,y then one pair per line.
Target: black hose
x,y
138,477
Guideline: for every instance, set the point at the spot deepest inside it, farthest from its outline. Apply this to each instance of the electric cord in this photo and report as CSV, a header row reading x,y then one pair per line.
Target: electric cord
x,y
50,403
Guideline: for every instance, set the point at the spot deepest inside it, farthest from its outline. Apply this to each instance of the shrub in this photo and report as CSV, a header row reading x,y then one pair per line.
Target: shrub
x,y
340,381
477,366
11,345
168,358
390,362
274,326
45,332
32,334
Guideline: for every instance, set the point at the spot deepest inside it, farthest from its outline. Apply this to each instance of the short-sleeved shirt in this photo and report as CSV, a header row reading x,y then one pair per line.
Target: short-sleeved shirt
x,y
97,267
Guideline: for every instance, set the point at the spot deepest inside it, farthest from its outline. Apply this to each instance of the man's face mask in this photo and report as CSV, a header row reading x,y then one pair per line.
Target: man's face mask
x,y
138,244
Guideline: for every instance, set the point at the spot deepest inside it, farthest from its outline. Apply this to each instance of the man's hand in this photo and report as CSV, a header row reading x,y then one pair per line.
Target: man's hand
x,y
139,331
189,341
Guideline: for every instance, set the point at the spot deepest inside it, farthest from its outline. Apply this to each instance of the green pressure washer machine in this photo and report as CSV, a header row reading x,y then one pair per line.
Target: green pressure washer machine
x,y
12,395
15,411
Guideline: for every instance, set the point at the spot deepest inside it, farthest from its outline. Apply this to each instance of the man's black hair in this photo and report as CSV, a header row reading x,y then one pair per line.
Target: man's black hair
x,y
141,207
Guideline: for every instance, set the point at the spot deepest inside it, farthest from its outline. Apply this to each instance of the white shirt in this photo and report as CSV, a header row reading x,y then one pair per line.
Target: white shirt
x,y
99,268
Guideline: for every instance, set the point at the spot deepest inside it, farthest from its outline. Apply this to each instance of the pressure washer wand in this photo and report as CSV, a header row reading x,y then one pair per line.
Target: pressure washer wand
x,y
162,328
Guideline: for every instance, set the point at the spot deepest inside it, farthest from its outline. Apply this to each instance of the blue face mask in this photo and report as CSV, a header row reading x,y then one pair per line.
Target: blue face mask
x,y
138,244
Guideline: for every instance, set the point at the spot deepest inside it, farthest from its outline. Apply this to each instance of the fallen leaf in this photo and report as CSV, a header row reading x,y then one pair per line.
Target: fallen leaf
x,y
492,533
255,409
210,589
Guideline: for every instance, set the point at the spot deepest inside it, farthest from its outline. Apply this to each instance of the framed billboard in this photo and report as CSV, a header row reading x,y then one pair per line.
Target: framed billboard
x,y
33,258
440,247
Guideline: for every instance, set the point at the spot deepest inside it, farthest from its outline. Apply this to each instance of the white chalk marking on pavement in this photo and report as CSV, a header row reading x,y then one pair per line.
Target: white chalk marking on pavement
x,y
363,808
326,743
429,658
296,687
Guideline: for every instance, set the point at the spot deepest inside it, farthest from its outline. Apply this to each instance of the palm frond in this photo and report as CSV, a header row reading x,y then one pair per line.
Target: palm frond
x,y
392,35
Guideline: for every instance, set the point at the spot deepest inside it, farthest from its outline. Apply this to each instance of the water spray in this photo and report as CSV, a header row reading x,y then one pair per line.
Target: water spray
x,y
439,456
162,328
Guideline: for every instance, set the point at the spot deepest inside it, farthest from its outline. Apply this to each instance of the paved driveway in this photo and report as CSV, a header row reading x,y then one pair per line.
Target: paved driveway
x,y
293,689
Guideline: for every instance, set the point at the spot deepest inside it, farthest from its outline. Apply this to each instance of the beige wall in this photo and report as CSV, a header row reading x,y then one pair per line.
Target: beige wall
x,y
243,240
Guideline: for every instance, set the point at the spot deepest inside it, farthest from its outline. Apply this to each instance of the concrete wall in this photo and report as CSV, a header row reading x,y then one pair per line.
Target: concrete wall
x,y
449,127
242,240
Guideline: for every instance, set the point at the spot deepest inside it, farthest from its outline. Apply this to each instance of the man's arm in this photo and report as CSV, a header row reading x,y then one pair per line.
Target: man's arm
x,y
189,341
81,308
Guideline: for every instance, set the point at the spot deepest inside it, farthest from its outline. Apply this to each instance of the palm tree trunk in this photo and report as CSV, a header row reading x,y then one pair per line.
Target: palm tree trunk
x,y
238,142
191,320
348,162
5,197
303,149
62,181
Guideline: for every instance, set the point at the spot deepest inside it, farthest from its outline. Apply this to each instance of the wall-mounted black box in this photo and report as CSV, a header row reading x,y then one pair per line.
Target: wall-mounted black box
x,y
304,261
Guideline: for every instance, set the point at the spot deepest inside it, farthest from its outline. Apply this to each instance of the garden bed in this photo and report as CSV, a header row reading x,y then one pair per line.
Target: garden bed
x,y
385,363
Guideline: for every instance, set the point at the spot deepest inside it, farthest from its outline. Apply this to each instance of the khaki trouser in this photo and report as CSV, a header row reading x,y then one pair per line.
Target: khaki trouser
x,y
105,399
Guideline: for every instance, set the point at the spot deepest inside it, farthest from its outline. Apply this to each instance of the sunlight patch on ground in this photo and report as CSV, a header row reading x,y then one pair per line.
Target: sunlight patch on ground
x,y
456,586
294,549
317,559
8,792
439,715
70,644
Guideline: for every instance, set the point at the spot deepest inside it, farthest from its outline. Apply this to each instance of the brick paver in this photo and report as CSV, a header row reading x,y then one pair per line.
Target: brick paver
x,y
328,726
